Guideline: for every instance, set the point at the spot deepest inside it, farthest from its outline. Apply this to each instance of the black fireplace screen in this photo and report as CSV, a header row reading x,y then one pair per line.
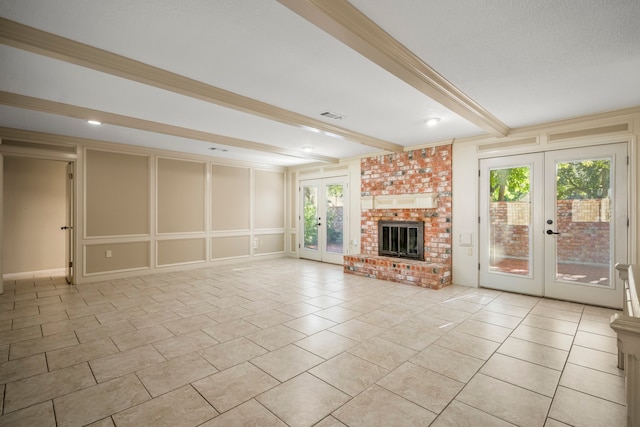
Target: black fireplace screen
x,y
402,239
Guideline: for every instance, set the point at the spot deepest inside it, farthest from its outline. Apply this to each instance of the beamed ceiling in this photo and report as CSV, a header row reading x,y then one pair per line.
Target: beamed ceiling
x,y
249,79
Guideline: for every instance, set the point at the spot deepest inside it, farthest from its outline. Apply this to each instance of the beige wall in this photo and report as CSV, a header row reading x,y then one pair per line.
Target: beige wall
x,y
34,209
181,251
230,247
181,196
148,211
125,256
230,198
269,243
269,199
117,194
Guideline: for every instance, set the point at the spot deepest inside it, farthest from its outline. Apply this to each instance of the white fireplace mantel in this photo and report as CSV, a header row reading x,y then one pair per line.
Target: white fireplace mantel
x,y
400,201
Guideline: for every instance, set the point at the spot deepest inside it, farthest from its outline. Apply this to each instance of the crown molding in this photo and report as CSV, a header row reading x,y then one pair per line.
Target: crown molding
x,y
350,26
67,110
44,43
572,123
13,134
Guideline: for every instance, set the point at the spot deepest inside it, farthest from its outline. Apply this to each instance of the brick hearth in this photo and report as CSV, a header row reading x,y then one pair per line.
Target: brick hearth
x,y
410,272
423,171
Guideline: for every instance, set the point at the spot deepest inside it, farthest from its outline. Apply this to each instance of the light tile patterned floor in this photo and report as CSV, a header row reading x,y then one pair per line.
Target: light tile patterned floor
x,y
299,343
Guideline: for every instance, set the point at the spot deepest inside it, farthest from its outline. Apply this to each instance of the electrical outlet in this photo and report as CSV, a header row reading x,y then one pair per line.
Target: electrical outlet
x,y
108,254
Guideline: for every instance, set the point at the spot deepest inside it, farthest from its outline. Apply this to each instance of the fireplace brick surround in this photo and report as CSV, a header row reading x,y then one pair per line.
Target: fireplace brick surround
x,y
421,171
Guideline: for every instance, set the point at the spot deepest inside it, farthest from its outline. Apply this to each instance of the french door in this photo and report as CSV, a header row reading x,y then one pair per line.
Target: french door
x,y
554,224
323,219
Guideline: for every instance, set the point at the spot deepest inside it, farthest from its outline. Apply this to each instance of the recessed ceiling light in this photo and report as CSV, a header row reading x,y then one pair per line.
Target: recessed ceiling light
x,y
432,121
94,122
307,149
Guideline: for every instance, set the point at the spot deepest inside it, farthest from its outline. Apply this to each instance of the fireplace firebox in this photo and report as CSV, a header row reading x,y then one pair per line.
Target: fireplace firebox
x,y
401,239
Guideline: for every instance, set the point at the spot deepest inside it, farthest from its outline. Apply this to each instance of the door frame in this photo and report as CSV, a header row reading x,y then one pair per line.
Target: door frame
x,y
69,223
322,254
41,154
539,240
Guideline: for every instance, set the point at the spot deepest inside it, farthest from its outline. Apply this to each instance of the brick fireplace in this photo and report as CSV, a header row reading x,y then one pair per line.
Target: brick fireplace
x,y
409,186
401,239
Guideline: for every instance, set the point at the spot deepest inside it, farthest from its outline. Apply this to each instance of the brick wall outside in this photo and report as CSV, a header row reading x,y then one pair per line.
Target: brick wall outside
x,y
426,170
511,240
580,241
586,242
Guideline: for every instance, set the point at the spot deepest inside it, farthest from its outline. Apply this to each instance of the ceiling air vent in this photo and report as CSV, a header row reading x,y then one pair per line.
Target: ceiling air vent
x,y
331,115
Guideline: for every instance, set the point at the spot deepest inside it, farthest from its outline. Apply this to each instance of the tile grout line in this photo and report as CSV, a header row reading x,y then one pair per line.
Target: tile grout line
x,y
564,365
478,371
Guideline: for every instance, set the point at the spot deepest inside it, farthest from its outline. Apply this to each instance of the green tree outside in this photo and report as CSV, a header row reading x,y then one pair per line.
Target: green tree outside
x,y
586,179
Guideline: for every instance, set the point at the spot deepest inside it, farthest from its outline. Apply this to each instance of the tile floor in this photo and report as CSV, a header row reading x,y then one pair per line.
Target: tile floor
x,y
298,343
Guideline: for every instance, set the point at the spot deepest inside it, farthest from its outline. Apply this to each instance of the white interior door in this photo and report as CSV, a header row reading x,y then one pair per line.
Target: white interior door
x,y
68,227
323,219
554,224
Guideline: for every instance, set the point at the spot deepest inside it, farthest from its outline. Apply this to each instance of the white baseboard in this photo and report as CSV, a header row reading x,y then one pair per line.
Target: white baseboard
x,y
40,274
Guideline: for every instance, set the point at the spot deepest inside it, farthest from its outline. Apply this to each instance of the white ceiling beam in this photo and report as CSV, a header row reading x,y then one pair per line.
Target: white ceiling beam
x,y
67,110
350,26
41,42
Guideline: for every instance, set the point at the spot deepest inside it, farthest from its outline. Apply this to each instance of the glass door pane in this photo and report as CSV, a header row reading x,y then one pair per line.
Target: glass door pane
x,y
334,218
512,223
583,222
412,246
510,220
324,219
586,223
310,211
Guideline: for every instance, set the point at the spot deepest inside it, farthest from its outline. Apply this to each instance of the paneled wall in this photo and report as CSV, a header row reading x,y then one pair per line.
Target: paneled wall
x,y
230,186
146,211
230,211
269,219
268,196
116,220
116,194
181,210
181,196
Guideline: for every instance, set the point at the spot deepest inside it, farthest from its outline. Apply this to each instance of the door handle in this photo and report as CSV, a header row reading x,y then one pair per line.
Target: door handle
x,y
65,228
550,232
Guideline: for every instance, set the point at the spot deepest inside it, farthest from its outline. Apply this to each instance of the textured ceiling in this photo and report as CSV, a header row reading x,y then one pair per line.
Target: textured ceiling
x,y
525,62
